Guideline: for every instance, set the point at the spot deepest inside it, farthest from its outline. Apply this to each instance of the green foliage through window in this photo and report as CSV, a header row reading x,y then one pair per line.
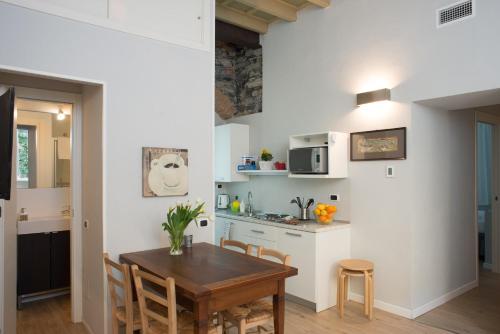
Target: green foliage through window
x,y
22,155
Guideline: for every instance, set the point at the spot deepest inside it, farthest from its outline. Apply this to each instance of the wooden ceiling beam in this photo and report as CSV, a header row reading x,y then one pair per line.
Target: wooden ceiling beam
x,y
320,3
276,8
239,19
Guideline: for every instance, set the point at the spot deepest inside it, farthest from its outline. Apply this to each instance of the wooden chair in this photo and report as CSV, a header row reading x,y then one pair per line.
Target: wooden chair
x,y
355,268
257,313
238,244
124,312
159,314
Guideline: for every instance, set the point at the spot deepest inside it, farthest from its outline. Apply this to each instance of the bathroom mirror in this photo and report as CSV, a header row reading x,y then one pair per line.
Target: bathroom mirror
x,y
43,144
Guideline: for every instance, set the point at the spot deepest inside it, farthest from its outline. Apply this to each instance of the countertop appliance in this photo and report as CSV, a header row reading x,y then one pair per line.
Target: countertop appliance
x,y
222,201
308,160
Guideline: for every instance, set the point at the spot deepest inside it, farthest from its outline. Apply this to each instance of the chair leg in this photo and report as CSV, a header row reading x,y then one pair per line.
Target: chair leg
x,y
242,328
367,292
115,325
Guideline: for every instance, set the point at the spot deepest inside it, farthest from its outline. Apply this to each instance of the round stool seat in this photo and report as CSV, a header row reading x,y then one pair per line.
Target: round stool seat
x,y
356,265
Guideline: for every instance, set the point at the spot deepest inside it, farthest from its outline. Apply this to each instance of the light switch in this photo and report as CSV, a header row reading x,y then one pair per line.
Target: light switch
x,y
389,171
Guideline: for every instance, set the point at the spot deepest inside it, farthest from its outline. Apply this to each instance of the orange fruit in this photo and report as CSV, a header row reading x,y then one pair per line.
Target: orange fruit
x,y
330,209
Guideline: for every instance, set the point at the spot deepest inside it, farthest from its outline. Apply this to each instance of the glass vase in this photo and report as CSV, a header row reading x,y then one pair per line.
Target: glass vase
x,y
176,240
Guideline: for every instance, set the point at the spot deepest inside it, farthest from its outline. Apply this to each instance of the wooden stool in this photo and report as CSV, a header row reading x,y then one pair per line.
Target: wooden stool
x,y
355,268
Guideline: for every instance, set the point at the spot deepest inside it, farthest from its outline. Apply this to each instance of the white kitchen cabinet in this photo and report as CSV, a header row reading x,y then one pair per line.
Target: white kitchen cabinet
x,y
232,141
315,255
301,247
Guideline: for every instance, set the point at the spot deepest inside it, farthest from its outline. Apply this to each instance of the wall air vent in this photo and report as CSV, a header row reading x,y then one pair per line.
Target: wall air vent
x,y
456,12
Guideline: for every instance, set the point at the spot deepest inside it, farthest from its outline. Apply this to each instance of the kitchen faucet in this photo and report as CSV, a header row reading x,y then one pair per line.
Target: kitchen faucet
x,y
250,204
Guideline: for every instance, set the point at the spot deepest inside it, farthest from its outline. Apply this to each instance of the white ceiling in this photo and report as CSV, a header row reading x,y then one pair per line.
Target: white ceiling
x,y
43,106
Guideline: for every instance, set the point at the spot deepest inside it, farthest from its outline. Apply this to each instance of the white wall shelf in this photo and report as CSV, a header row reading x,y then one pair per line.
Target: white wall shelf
x,y
338,151
259,172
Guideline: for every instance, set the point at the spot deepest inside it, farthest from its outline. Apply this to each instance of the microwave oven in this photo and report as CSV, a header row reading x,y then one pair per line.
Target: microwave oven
x,y
308,160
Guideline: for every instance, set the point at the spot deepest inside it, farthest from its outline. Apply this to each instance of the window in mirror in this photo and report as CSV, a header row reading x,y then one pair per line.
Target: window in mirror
x,y
26,156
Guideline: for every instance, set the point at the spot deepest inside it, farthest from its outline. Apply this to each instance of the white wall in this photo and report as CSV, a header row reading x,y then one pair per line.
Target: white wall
x,y
312,70
443,232
156,95
43,202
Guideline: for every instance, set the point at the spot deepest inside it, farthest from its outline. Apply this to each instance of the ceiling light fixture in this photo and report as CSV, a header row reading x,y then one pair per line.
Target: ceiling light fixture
x,y
61,116
374,96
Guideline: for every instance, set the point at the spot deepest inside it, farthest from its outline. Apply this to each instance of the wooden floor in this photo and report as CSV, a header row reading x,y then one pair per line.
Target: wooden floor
x,y
477,311
53,317
48,317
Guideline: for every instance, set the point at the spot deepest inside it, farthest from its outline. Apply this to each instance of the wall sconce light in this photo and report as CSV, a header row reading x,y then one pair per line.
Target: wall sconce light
x,y
61,115
374,96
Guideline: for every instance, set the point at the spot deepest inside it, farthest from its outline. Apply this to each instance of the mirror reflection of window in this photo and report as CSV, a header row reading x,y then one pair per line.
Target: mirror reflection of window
x,y
26,156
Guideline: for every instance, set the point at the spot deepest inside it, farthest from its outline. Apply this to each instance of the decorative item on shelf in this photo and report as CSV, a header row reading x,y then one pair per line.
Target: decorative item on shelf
x,y
280,165
164,172
266,160
235,205
389,144
324,213
178,219
247,163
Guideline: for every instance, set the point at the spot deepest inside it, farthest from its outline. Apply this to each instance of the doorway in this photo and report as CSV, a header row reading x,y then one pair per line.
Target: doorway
x,y
487,189
48,187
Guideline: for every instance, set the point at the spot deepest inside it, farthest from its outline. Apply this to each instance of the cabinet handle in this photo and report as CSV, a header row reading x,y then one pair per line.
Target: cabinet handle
x,y
294,234
257,231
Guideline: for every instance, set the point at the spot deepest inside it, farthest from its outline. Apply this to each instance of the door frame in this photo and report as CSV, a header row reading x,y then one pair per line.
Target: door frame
x,y
76,186
482,117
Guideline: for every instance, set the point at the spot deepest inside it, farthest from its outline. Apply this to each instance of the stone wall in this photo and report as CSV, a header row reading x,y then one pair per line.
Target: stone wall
x,y
238,80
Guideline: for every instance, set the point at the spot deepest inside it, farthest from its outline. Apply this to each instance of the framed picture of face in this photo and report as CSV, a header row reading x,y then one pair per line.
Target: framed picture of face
x,y
389,144
164,172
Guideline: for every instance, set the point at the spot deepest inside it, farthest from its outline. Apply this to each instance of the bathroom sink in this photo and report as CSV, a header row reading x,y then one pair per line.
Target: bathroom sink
x,y
44,225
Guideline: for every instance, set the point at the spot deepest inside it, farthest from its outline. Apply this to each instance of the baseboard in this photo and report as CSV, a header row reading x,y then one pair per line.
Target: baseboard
x,y
391,308
443,299
87,327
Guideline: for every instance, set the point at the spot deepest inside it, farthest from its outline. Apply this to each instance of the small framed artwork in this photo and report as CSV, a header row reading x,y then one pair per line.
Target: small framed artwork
x,y
389,144
164,172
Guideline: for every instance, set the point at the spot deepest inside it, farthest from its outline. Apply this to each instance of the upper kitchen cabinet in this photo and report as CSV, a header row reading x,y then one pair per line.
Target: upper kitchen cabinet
x,y
231,143
182,22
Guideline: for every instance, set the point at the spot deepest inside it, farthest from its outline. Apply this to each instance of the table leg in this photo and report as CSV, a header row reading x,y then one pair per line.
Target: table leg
x,y
279,308
200,312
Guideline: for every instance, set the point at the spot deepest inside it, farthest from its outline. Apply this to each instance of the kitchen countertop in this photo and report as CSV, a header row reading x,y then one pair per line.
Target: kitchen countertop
x,y
309,226
44,225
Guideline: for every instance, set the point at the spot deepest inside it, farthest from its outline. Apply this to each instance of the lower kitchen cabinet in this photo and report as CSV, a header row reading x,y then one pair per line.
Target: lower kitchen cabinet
x,y
43,262
315,255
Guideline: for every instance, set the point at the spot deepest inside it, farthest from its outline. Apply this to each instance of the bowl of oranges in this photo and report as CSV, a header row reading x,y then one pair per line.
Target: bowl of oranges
x,y
324,213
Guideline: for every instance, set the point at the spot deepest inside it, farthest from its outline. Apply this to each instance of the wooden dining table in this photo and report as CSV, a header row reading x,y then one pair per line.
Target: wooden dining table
x,y
210,279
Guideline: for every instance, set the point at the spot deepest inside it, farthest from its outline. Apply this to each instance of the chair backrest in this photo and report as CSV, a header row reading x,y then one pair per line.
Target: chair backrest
x,y
119,280
285,259
148,298
238,244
